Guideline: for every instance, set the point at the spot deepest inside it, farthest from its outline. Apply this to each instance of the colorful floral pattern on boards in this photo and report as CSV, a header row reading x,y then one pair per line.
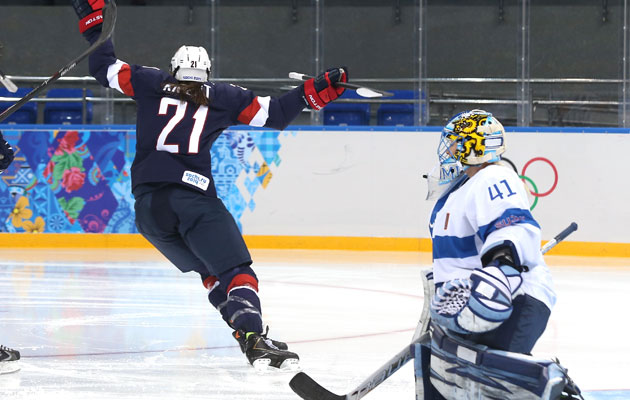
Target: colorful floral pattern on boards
x,y
72,181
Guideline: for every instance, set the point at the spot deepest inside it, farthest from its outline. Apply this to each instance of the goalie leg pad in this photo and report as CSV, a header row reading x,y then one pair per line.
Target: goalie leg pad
x,y
461,369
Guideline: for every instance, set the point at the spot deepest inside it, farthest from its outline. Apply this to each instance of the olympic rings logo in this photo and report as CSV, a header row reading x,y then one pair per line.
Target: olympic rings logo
x,y
533,190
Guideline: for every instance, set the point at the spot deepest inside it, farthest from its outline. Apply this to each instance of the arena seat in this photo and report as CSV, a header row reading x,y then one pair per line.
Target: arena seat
x,y
347,113
67,112
398,114
27,114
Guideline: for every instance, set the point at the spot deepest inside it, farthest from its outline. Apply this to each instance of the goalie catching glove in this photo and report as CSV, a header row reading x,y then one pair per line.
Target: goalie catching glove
x,y
321,90
90,13
483,301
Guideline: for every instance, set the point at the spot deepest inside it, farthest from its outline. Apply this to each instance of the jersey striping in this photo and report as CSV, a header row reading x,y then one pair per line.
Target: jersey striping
x,y
256,114
488,208
119,77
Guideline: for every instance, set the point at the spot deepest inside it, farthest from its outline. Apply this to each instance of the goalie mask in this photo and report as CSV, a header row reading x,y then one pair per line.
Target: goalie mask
x,y
470,138
191,63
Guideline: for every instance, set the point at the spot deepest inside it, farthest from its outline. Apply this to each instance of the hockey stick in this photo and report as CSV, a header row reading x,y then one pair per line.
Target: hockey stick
x,y
361,90
306,387
109,21
559,237
8,83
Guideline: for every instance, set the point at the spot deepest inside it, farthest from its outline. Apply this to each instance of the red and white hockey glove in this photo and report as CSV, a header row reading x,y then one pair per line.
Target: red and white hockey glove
x,y
322,90
90,13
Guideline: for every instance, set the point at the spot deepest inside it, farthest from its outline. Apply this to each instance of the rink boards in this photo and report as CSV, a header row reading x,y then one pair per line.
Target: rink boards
x,y
312,187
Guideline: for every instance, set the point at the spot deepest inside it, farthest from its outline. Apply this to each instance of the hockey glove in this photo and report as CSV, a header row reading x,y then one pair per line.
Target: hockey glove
x,y
6,154
90,13
322,90
478,304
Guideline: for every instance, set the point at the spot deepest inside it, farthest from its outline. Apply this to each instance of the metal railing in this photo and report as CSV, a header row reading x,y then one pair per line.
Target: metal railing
x,y
434,98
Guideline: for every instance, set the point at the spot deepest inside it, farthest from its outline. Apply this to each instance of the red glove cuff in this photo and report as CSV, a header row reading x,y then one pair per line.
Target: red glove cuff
x,y
312,97
92,20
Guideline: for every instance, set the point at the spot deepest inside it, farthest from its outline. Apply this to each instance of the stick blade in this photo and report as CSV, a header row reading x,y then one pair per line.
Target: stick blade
x,y
370,93
8,83
306,387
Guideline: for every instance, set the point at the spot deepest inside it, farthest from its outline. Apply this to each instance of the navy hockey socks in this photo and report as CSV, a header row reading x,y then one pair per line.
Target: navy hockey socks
x,y
243,305
217,296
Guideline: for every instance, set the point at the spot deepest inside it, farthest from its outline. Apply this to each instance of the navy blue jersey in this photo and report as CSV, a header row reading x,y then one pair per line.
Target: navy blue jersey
x,y
174,136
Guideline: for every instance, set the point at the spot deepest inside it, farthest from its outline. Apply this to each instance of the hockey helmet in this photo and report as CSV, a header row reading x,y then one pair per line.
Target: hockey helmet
x,y
470,138
191,63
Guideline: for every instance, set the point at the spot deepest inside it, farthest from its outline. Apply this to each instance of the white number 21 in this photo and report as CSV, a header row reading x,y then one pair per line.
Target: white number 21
x,y
199,117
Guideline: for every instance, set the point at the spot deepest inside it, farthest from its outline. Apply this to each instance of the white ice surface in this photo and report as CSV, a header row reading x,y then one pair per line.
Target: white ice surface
x,y
124,326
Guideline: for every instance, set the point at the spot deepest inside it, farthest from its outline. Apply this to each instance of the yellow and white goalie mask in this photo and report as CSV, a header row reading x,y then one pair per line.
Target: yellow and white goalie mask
x,y
469,138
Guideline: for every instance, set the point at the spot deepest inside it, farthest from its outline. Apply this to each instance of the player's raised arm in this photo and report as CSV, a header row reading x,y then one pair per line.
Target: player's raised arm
x,y
278,112
104,66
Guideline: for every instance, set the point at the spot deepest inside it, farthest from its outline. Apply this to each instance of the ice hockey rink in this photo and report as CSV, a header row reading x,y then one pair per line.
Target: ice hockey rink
x,y
125,324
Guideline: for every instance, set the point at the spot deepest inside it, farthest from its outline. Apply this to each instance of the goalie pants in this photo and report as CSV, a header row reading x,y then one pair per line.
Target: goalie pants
x,y
520,332
195,232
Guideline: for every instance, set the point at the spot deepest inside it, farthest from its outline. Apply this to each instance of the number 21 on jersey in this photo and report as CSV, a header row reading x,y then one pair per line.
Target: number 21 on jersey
x,y
200,119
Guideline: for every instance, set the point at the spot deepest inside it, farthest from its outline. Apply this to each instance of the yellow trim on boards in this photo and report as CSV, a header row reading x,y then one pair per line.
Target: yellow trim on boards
x,y
122,240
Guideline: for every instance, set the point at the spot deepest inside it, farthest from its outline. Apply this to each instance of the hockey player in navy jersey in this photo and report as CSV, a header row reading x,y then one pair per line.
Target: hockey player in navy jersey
x,y
180,113
492,286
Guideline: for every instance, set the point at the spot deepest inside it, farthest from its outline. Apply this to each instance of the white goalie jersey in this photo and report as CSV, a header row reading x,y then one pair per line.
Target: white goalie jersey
x,y
488,208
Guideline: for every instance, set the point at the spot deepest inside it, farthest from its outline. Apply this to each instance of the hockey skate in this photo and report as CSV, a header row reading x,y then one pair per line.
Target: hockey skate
x,y
9,360
237,335
263,353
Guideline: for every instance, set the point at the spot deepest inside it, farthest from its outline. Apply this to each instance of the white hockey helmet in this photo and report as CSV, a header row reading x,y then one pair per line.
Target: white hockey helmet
x,y
191,63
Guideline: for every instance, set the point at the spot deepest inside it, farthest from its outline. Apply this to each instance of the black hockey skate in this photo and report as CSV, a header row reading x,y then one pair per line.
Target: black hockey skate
x,y
9,360
263,354
239,338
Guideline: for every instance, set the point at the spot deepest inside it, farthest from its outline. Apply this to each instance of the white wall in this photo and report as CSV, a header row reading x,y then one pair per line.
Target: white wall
x,y
368,183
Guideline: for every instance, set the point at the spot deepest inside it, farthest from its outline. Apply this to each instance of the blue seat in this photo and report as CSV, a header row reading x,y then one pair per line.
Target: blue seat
x,y
67,112
393,114
347,113
27,114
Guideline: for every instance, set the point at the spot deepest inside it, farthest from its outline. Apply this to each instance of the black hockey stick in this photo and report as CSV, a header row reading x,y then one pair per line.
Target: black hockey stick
x,y
361,90
559,237
306,387
8,83
109,21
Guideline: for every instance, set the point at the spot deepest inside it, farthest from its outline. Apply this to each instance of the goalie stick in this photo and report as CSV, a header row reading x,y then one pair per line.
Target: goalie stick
x,y
8,83
109,21
361,90
308,389
559,237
